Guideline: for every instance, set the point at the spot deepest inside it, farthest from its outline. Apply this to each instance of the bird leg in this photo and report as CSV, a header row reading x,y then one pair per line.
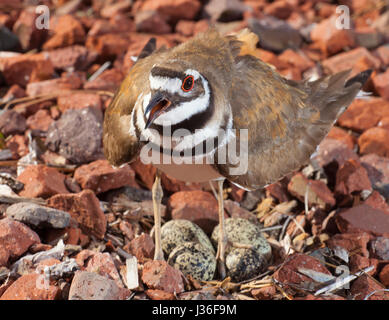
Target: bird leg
x,y
157,194
222,241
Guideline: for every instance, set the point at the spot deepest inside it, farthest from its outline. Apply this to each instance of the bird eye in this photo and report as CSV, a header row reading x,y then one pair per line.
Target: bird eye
x,y
187,84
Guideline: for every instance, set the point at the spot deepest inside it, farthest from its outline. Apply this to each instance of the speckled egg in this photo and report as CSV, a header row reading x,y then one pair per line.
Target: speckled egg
x,y
178,231
242,231
243,264
191,258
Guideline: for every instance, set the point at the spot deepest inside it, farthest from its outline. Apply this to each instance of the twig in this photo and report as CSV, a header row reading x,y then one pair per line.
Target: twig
x,y
340,282
374,292
100,70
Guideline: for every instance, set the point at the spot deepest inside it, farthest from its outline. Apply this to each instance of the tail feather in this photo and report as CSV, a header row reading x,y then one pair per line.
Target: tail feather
x,y
333,94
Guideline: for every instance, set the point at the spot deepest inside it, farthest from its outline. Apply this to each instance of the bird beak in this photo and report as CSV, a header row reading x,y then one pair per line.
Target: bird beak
x,y
157,105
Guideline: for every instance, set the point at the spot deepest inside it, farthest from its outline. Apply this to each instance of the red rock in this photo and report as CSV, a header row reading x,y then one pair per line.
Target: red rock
x,y
237,194
185,27
358,59
159,275
326,10
318,192
351,178
363,218
339,134
288,273
77,57
358,263
108,46
374,140
14,92
174,9
26,68
377,201
15,239
11,123
84,207
38,247
292,73
364,114
280,9
383,54
384,123
381,84
265,293
160,295
18,146
330,38
27,109
198,206
379,248
112,9
79,101
326,297
92,286
201,26
29,36
41,181
278,191
295,59
67,31
142,247
384,276
173,185
100,176
103,264
364,285
117,24
234,210
151,22
109,80
40,120
68,81
27,288
127,229
145,172
352,242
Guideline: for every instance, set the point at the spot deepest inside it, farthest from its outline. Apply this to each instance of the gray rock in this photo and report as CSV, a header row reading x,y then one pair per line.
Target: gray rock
x,y
378,171
380,248
275,34
77,135
38,216
92,286
8,40
11,122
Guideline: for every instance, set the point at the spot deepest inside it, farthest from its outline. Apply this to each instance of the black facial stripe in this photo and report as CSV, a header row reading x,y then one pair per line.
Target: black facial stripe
x,y
163,72
197,121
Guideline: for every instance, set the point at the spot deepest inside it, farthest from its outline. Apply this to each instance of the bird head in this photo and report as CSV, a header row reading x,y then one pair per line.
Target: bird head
x,y
175,95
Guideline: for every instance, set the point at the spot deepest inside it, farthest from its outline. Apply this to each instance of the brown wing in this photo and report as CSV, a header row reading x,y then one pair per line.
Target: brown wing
x,y
119,145
285,120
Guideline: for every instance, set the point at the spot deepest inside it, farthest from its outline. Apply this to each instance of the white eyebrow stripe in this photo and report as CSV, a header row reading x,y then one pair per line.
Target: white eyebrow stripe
x,y
171,85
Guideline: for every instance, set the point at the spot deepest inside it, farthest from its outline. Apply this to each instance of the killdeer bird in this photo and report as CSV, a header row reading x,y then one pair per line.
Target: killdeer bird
x,y
212,84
